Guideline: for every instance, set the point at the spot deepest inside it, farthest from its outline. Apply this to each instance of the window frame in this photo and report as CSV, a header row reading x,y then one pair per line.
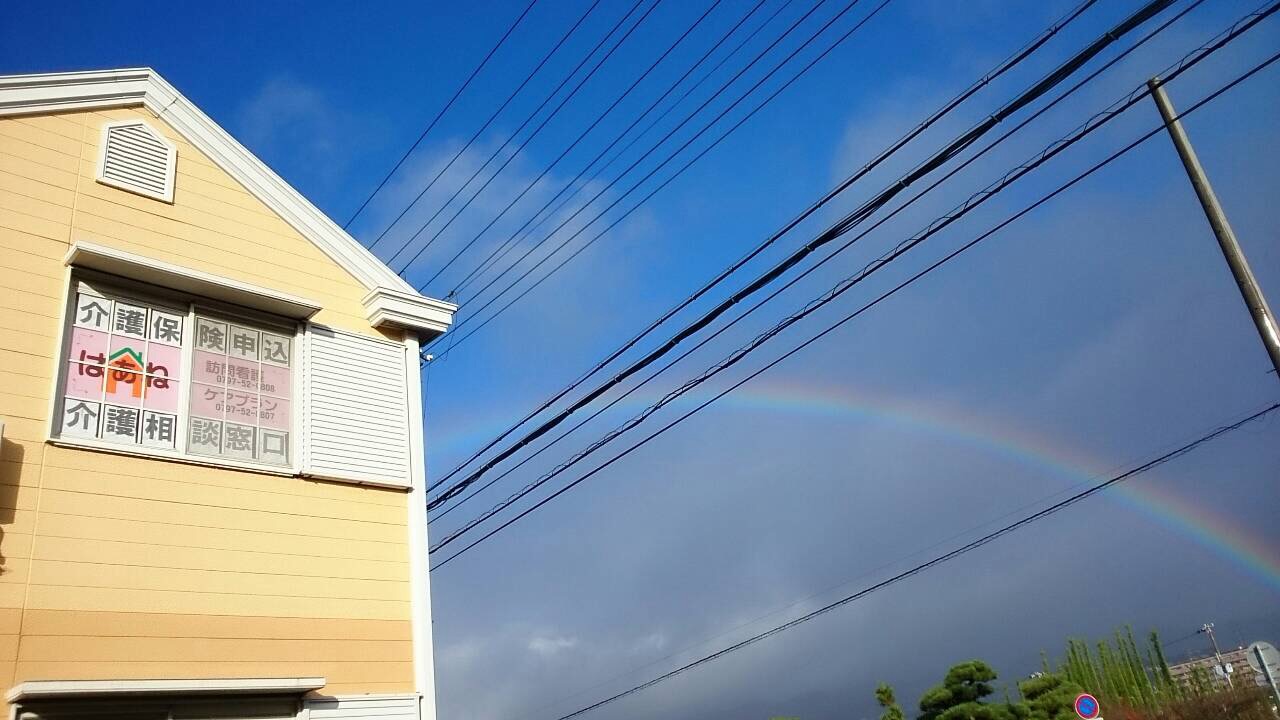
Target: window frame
x,y
123,288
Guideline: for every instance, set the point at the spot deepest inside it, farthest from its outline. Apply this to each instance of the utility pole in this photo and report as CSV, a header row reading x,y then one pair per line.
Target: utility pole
x,y
1207,629
1263,318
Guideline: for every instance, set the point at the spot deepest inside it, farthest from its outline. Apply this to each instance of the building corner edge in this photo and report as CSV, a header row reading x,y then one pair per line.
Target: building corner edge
x,y
419,560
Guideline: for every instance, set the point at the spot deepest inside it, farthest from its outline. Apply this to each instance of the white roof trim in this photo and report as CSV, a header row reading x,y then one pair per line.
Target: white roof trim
x,y
196,282
385,306
61,92
70,689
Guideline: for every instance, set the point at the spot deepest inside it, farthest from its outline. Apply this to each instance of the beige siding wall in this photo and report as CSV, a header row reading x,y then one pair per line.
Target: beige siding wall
x,y
118,566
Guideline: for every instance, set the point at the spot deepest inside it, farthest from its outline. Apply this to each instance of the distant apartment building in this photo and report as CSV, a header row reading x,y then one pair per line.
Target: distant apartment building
x,y
1237,660
211,471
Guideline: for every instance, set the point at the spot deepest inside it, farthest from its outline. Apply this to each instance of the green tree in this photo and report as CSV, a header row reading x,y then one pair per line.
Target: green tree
x,y
1124,673
1160,667
960,695
1049,696
887,700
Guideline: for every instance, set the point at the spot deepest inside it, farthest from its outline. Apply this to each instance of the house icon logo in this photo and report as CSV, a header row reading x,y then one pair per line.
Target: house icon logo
x,y
125,366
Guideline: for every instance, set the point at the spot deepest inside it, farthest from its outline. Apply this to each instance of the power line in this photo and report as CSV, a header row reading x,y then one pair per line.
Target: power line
x,y
501,250
815,595
996,72
564,262
530,185
467,203
885,196
501,41
750,11
976,156
1095,122
813,9
505,246
939,559
967,532
677,151
598,236
859,24
1182,639
532,115
527,78
734,357
787,32
1000,68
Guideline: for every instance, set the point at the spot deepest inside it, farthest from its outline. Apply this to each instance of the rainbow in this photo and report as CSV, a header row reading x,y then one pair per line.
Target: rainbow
x,y
1249,552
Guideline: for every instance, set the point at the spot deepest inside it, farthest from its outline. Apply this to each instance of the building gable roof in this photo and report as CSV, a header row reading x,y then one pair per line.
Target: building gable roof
x,y
391,300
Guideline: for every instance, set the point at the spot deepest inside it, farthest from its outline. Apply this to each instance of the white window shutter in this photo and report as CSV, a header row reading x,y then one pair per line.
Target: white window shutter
x,y
355,408
137,158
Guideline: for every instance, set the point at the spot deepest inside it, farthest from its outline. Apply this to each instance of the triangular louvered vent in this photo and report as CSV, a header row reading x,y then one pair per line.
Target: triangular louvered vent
x,y
135,157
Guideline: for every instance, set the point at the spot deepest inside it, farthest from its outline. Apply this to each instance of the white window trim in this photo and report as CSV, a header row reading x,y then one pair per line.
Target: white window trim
x,y
176,278
143,451
69,689
171,161
195,305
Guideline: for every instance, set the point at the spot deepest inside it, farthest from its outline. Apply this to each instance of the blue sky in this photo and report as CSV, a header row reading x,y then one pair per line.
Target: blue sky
x,y
1087,337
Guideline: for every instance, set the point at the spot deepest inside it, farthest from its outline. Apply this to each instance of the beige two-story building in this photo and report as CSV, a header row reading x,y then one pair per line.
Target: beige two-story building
x,y
211,471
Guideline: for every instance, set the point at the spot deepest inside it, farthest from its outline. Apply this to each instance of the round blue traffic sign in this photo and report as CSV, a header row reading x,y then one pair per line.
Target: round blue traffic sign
x,y
1087,706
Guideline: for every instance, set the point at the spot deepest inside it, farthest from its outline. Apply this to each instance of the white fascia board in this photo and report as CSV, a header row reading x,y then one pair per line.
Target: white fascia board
x,y
216,287
55,92
426,316
70,689
424,671
61,92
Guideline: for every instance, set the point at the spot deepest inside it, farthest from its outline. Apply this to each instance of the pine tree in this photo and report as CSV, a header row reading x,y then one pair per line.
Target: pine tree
x,y
887,700
1050,696
960,696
